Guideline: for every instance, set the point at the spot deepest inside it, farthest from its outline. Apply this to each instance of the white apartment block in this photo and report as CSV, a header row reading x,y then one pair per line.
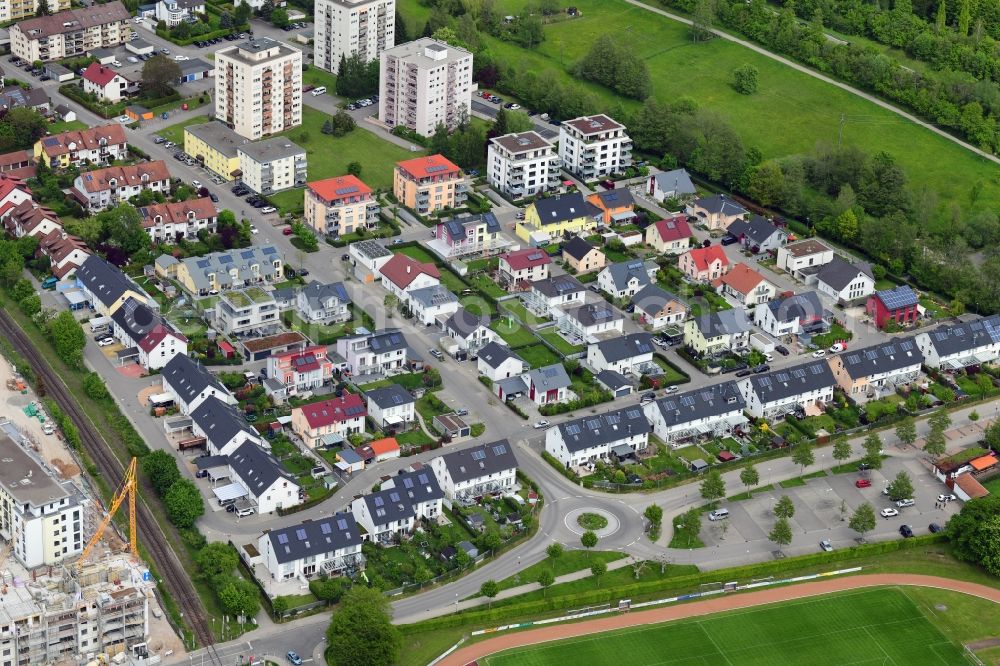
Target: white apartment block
x,y
242,310
594,146
41,518
14,10
70,33
352,27
258,87
423,84
521,164
272,165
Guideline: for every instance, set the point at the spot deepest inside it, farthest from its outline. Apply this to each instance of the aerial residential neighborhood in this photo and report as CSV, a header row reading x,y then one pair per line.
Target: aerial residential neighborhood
x,y
327,324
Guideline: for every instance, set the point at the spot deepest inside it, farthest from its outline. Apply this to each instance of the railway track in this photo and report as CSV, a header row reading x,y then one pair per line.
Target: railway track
x,y
175,578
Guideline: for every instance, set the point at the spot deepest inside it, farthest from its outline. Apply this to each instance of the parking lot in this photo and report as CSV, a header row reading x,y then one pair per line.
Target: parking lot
x,y
818,507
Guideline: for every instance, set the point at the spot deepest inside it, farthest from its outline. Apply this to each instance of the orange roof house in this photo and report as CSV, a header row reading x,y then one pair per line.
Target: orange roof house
x,y
745,285
379,450
967,488
983,462
704,263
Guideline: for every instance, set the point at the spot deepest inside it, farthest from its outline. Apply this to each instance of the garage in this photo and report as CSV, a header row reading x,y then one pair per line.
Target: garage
x,y
229,493
139,47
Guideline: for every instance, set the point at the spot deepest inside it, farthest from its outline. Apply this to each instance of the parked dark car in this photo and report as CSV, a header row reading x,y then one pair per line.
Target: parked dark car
x,y
706,242
744,373
729,240
906,531
782,349
763,367
934,528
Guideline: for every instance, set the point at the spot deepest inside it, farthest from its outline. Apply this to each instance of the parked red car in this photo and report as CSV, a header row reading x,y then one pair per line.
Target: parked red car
x,y
287,231
863,483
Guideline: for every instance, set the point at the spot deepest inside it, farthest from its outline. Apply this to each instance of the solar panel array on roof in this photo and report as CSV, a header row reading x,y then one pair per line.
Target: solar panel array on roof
x,y
300,534
225,259
378,501
346,190
355,410
422,478
408,483
325,528
632,413
479,455
50,141
798,373
898,298
270,249
282,539
435,168
612,418
394,496
592,424
687,400
499,450
341,524
572,429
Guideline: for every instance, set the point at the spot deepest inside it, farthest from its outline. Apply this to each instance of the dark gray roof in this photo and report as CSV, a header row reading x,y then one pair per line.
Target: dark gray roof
x,y
839,273
386,340
613,380
494,354
208,462
591,431
626,346
616,198
702,403
418,486
718,203
256,468
480,461
804,307
948,340
465,323
756,229
564,207
623,271
653,299
392,395
549,378
136,319
188,378
884,357
435,295
724,322
792,381
387,506
220,422
319,295
594,313
455,227
577,247
315,537
558,285
104,280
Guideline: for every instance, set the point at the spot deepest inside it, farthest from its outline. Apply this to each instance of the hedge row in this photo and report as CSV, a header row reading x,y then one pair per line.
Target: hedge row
x,y
499,613
559,467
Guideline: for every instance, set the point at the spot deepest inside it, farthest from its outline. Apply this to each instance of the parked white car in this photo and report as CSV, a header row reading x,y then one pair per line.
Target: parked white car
x,y
104,342
819,353
890,512
946,498
180,58
538,425
267,210
903,503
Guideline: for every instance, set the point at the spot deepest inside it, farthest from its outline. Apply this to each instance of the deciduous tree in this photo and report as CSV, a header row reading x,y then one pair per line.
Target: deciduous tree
x,y
906,431
160,75
901,487
361,632
184,503
598,569
863,520
489,589
68,338
545,579
784,508
161,468
745,79
749,477
841,450
713,486
803,456
588,539
781,533
216,557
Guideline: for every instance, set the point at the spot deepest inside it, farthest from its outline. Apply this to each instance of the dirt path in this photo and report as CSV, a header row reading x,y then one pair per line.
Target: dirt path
x,y
470,653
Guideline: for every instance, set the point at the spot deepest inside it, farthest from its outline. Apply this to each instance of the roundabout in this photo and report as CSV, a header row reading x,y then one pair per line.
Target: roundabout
x,y
601,522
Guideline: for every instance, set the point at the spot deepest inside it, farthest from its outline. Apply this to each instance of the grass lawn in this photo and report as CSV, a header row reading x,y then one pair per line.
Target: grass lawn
x,y
739,497
801,480
537,356
670,375
885,624
564,347
517,309
323,334
689,453
807,109
314,76
483,283
56,128
836,333
993,485
409,381
415,437
329,156
448,279
419,253
192,103
175,133
568,562
514,334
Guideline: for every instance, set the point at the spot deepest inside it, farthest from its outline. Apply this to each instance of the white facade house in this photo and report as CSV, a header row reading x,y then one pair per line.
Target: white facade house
x,y
258,87
423,84
470,331
268,486
488,468
805,257
106,83
432,304
398,505
152,341
373,353
342,28
594,146
222,426
586,322
272,165
41,517
367,257
173,12
844,282
326,546
592,438
402,274
789,316
497,362
802,387
189,384
627,354
548,297
626,278
961,345
390,406
320,303
711,411
521,164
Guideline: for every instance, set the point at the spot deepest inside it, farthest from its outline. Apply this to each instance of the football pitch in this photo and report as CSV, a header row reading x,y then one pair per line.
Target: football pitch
x,y
877,626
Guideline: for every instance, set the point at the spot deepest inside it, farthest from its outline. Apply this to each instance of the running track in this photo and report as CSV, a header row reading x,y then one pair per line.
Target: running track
x,y
471,653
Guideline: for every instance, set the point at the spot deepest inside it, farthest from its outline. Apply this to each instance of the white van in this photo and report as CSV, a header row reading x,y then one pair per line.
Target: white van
x,y
243,513
719,514
316,92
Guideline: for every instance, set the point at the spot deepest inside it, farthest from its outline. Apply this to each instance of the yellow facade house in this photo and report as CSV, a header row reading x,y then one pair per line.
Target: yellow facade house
x,y
216,146
553,217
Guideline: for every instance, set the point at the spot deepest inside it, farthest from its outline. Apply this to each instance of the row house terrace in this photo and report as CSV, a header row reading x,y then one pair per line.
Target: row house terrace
x,y
168,222
103,188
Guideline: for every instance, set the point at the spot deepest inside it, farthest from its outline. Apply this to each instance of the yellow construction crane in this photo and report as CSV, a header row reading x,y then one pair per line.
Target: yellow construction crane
x,y
130,487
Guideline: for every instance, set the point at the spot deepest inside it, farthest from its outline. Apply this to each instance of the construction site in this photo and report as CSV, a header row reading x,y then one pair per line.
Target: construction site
x,y
72,587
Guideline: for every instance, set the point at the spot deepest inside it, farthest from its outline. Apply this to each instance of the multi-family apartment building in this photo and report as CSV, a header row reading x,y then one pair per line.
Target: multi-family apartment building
x,y
342,28
71,33
521,164
375,353
215,146
17,10
258,87
340,205
429,184
173,12
41,517
423,84
169,222
272,165
468,235
91,146
224,270
344,415
242,310
301,370
594,146
108,187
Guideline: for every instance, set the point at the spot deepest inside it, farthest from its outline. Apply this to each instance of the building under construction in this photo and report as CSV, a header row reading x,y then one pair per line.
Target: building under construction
x,y
54,609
